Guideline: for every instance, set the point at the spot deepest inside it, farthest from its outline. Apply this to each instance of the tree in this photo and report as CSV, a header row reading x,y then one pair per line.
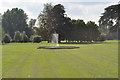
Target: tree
x,y
92,31
6,38
29,30
24,37
42,18
42,22
79,30
109,21
67,29
17,36
14,20
41,31
56,21
31,23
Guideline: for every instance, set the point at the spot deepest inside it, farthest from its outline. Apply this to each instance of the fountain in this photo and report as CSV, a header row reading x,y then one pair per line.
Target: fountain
x,y
54,39
55,44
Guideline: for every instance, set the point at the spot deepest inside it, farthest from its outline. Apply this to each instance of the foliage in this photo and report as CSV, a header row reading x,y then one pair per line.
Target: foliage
x,y
79,30
93,32
30,29
84,32
102,38
56,21
51,20
17,36
42,18
6,38
14,20
24,37
43,30
36,39
31,23
109,21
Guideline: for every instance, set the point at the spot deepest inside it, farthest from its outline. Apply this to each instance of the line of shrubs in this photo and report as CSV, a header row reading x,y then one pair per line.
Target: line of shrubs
x,y
21,38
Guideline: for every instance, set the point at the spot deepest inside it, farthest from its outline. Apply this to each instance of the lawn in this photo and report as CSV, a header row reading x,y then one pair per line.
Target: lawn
x,y
0,61
24,60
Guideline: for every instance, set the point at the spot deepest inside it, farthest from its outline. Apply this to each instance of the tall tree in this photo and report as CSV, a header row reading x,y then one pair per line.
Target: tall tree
x,y
67,29
79,30
14,20
56,21
92,31
109,21
42,18
42,29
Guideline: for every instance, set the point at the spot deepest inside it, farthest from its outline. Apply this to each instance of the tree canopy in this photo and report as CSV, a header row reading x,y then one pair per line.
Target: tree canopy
x,y
54,20
109,21
14,20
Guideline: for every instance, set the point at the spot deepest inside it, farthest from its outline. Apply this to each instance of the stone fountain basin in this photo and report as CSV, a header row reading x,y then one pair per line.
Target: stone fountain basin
x,y
57,47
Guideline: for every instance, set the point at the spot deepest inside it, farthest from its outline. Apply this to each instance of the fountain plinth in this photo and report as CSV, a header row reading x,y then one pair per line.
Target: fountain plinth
x,y
55,45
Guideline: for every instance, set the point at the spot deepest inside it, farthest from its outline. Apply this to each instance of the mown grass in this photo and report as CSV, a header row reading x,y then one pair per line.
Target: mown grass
x,y
0,61
24,60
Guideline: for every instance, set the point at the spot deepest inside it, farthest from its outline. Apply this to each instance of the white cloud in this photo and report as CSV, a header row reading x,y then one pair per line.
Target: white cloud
x,y
86,11
75,9
46,1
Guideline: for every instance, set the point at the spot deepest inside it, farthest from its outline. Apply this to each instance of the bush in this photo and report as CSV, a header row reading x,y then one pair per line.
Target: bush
x,y
17,36
24,37
6,38
102,38
36,39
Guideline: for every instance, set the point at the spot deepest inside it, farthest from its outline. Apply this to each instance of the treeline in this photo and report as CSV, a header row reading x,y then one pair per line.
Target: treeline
x,y
16,28
54,20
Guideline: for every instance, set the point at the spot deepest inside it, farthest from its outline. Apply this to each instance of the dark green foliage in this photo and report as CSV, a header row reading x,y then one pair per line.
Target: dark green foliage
x,y
109,21
57,22
20,37
42,31
36,39
14,20
31,23
43,20
29,30
17,36
84,32
79,30
92,31
24,37
102,38
54,20
50,20
6,38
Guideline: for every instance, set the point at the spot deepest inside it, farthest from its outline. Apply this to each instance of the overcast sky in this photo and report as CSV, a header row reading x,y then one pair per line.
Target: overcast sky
x,y
75,9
